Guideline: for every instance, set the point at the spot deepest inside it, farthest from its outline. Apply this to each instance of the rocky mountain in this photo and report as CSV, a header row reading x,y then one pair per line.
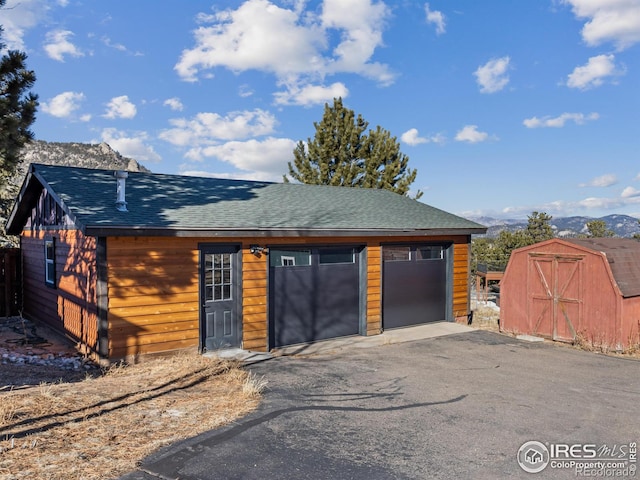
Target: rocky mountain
x,y
59,153
567,227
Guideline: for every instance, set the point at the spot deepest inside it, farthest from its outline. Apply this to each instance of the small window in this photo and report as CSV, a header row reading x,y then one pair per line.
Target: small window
x,y
286,261
432,252
289,258
50,262
336,255
396,254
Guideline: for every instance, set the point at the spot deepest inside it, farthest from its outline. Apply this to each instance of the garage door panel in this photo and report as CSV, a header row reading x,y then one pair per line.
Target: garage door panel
x,y
414,289
314,302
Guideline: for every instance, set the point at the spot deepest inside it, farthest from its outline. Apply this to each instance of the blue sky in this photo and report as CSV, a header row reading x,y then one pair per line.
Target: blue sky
x,y
503,107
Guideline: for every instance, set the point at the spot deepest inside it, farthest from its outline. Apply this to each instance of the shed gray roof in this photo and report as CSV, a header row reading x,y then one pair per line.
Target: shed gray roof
x,y
623,255
185,205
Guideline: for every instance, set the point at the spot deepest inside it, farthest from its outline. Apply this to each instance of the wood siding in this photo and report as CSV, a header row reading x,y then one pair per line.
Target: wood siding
x,y
461,273
153,287
70,306
374,289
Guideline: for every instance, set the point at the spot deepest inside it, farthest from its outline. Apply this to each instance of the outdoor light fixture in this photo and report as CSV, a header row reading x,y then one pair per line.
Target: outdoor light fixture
x,y
257,250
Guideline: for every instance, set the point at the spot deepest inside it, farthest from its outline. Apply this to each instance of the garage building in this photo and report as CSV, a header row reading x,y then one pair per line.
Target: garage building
x,y
136,263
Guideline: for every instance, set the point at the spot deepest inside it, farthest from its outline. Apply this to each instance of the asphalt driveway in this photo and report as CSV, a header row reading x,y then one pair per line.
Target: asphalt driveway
x,y
458,406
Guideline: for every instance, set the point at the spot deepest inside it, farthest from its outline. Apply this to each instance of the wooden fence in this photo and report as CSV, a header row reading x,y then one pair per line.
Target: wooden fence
x,y
10,282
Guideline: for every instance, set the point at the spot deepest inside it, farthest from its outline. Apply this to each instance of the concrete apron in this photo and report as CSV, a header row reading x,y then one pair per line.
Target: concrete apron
x,y
388,337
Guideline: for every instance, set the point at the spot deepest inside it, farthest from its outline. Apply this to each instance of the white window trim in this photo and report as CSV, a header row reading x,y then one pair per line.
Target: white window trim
x,y
288,261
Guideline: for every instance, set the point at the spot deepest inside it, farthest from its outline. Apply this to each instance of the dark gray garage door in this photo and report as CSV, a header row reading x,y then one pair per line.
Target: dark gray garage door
x,y
414,285
314,294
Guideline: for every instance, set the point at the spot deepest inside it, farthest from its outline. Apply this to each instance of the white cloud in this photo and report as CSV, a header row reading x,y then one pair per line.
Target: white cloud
x,y
58,45
436,18
558,122
630,192
64,104
616,21
593,73
265,158
589,205
131,146
601,203
492,76
308,95
117,46
174,104
470,134
412,137
602,181
186,169
293,44
19,16
360,23
209,128
120,107
245,91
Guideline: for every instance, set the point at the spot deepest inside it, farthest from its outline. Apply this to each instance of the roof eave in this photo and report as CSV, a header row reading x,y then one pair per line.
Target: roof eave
x,y
23,204
134,231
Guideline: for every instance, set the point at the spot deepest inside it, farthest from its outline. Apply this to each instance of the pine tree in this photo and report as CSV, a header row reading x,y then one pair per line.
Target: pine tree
x,y
538,227
598,229
17,107
342,153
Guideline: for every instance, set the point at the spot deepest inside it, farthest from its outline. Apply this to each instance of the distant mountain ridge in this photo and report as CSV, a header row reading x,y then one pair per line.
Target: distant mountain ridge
x,y
567,227
99,155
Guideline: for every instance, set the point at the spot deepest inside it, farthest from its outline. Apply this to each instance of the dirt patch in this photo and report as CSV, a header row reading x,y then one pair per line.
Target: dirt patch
x,y
62,422
31,354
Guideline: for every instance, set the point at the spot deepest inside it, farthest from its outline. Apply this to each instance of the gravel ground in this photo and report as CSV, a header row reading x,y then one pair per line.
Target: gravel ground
x,y
32,354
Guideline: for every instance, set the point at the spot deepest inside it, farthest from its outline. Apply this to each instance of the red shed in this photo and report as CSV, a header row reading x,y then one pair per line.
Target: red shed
x,y
570,288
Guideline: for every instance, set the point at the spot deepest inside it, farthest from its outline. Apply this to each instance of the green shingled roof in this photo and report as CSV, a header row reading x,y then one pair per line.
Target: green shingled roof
x,y
173,202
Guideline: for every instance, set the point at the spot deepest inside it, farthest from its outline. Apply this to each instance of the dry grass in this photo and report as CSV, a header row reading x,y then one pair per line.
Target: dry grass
x,y
102,427
486,318
595,343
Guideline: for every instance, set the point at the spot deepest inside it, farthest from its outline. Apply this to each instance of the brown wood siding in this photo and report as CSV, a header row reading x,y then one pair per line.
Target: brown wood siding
x,y
255,271
152,295
153,289
374,289
70,307
461,273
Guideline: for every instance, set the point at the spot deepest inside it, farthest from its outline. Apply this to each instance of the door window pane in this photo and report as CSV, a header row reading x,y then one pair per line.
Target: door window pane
x,y
336,255
217,276
396,253
289,258
430,252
